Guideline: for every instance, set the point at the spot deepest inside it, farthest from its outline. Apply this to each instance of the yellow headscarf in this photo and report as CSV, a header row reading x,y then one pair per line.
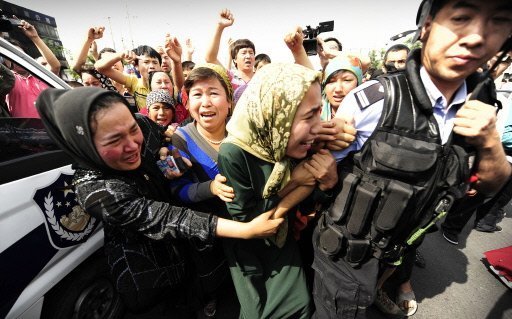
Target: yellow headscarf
x,y
263,117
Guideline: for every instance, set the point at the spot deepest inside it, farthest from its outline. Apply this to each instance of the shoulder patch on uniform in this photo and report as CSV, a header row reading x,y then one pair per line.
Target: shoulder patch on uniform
x,y
369,95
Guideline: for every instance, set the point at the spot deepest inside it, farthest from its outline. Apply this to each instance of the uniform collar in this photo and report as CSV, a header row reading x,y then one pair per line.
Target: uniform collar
x,y
436,97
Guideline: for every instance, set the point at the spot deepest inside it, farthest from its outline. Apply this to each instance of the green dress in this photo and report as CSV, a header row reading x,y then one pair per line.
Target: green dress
x,y
269,281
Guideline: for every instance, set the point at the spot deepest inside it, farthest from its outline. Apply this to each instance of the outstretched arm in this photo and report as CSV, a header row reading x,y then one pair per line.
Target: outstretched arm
x,y
190,49
105,64
212,52
174,51
294,41
93,34
45,51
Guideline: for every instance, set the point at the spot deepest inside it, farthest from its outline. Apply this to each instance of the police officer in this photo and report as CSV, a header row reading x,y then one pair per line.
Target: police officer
x,y
458,37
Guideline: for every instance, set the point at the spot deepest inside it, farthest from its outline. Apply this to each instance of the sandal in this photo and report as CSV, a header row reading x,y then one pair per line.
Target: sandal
x,y
406,301
386,305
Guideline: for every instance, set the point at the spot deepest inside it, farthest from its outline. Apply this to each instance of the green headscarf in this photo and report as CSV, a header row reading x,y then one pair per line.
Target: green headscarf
x,y
345,63
263,117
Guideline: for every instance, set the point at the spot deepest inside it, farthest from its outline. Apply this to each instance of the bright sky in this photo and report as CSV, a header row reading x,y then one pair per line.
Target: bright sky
x,y
359,24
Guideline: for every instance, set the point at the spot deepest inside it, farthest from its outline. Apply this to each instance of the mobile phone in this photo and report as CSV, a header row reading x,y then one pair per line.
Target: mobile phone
x,y
178,160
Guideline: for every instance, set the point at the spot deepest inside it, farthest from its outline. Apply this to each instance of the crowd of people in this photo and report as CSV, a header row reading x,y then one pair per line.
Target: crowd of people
x,y
309,190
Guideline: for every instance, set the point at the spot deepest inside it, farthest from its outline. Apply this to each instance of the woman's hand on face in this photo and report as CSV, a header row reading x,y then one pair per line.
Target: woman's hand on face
x,y
219,188
322,166
263,226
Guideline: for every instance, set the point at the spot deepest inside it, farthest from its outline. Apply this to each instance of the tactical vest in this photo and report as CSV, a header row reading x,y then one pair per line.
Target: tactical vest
x,y
397,181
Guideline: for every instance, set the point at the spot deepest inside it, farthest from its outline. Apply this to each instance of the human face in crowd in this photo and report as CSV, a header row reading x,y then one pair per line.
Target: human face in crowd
x,y
186,72
161,113
147,64
208,104
397,58
161,80
306,117
166,61
331,45
260,65
462,37
117,137
339,85
90,80
245,59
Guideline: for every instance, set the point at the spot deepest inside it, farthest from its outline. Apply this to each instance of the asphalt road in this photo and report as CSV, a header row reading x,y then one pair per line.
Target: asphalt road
x,y
455,283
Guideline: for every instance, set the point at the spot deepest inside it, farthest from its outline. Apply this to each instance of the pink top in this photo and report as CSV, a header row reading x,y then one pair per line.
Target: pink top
x,y
22,98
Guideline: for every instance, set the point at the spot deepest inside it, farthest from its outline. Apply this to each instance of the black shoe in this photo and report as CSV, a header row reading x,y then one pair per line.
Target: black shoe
x,y
419,260
495,229
451,238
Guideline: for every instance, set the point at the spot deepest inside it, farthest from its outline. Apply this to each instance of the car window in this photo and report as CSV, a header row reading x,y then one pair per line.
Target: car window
x,y
26,148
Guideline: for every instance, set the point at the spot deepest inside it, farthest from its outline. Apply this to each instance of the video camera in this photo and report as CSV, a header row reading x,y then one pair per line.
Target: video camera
x,y
7,24
310,34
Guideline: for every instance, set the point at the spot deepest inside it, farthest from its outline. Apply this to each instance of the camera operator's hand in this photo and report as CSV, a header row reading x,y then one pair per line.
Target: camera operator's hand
x,y
95,33
226,18
324,51
294,40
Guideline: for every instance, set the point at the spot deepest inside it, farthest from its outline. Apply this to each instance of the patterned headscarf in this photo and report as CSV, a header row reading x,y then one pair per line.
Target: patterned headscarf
x,y
160,96
346,63
263,117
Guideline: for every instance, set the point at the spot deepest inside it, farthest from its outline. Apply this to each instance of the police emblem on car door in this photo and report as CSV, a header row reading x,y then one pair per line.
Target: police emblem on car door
x,y
66,222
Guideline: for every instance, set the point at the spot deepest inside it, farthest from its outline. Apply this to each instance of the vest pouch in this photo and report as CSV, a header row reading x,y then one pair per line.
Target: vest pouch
x,y
357,251
331,241
456,171
341,205
363,205
395,200
403,158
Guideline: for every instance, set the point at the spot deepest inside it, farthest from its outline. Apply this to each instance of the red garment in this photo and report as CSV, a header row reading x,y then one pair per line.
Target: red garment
x,y
21,99
501,260
180,113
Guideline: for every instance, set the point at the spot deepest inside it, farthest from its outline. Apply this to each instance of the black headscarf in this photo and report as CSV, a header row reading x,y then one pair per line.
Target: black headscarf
x,y
65,114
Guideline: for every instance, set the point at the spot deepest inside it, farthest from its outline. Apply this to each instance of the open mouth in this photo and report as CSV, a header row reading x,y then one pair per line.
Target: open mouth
x,y
208,114
307,143
162,121
132,158
338,98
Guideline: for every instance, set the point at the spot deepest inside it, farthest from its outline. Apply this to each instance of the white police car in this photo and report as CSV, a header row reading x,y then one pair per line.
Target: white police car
x,y
51,259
